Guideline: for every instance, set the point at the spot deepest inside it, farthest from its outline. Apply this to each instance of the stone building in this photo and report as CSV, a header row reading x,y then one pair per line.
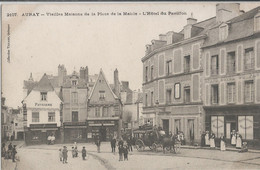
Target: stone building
x,y
104,109
189,76
232,73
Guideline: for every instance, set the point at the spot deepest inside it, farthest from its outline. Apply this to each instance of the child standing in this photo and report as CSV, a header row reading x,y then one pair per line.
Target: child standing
x,y
60,154
84,153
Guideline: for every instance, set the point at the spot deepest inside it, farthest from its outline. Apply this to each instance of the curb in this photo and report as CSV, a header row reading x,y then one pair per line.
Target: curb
x,y
102,161
227,149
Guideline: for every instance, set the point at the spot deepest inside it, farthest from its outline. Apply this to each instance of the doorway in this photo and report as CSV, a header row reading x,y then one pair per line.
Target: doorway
x,y
166,126
229,127
191,130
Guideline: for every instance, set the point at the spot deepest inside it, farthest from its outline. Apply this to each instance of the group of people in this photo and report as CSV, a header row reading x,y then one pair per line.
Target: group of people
x,y
10,152
63,153
51,139
208,139
124,146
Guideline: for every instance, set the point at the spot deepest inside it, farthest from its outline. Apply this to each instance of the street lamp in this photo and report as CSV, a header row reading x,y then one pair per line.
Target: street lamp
x,y
156,112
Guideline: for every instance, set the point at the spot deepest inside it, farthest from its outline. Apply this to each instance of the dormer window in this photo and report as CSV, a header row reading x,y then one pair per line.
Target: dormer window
x,y
223,32
43,96
257,22
102,95
74,82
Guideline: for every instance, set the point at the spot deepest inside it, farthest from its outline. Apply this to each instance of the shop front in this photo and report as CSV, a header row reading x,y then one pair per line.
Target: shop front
x,y
75,132
242,119
38,133
104,128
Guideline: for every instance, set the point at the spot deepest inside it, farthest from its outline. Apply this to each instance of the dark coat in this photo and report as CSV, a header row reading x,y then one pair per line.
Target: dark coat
x,y
113,143
84,152
65,153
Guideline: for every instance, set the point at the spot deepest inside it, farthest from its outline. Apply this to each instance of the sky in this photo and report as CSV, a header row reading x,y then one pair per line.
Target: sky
x,y
39,44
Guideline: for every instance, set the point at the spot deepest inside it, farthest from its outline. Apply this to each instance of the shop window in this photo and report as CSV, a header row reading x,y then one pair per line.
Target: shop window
x,y
231,92
214,94
169,67
74,97
102,95
151,72
217,125
35,117
152,98
214,65
246,127
51,117
187,64
75,116
186,94
249,91
249,59
231,63
169,96
43,96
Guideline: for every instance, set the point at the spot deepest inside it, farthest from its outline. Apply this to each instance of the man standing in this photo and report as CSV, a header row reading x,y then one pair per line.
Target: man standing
x,y
129,143
238,141
98,143
113,144
14,153
65,154
212,140
84,153
222,143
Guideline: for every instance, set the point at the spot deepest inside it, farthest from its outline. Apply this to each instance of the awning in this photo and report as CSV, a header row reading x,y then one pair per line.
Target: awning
x,y
99,124
44,129
75,127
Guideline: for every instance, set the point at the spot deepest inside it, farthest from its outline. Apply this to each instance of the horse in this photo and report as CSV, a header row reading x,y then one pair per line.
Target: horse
x,y
168,142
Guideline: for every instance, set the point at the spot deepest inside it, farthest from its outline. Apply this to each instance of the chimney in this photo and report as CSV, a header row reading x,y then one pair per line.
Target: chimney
x,y
82,73
191,20
162,37
188,27
148,48
227,11
116,84
31,77
86,74
62,72
125,83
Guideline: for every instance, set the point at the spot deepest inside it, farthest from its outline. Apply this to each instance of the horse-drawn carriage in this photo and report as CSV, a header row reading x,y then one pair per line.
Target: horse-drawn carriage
x,y
155,138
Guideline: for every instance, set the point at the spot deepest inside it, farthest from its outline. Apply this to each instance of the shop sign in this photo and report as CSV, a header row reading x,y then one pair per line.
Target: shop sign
x,y
43,104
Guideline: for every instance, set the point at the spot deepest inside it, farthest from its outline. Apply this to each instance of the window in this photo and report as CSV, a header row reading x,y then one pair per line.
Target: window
x,y
51,117
257,23
214,94
246,126
43,96
105,112
177,124
74,97
177,90
75,116
217,125
231,92
146,99
187,64
223,32
74,82
214,65
168,96
249,91
97,112
231,63
152,98
146,73
187,94
249,59
151,72
101,95
169,67
35,117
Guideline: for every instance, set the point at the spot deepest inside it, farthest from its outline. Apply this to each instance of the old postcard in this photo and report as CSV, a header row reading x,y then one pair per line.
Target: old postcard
x,y
149,85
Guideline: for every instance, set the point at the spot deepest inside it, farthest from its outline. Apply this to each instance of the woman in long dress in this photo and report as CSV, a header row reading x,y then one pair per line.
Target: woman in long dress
x,y
239,141
212,140
222,143
233,138
207,143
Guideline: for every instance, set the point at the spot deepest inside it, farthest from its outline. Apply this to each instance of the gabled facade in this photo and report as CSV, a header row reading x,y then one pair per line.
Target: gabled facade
x,y
104,110
42,116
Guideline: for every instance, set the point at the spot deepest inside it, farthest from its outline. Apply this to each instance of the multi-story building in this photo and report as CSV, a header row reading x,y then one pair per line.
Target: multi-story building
x,y
41,109
104,109
232,73
206,76
6,121
17,123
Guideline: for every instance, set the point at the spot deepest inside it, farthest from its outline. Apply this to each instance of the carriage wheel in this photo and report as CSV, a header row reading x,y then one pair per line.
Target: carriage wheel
x,y
154,146
139,145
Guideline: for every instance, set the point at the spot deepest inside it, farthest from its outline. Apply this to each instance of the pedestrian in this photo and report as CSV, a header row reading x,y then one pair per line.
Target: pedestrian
x,y
65,154
120,149
113,144
239,141
222,143
60,154
129,144
125,151
233,138
14,153
49,139
202,143
73,152
244,147
207,143
84,153
9,152
98,143
212,140
76,151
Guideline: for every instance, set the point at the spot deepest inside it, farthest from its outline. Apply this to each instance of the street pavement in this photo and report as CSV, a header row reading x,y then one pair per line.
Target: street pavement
x,y
46,157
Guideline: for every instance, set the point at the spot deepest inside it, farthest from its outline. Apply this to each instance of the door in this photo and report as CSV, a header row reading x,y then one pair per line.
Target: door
x,y
166,126
228,130
191,130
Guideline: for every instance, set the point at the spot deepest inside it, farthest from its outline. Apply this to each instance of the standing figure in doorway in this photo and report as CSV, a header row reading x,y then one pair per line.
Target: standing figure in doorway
x,y
212,140
239,141
233,138
207,143
113,144
222,143
203,139
98,143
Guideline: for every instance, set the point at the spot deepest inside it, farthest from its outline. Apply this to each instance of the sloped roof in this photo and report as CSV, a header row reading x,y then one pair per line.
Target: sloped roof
x,y
246,15
29,85
54,81
140,98
44,84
